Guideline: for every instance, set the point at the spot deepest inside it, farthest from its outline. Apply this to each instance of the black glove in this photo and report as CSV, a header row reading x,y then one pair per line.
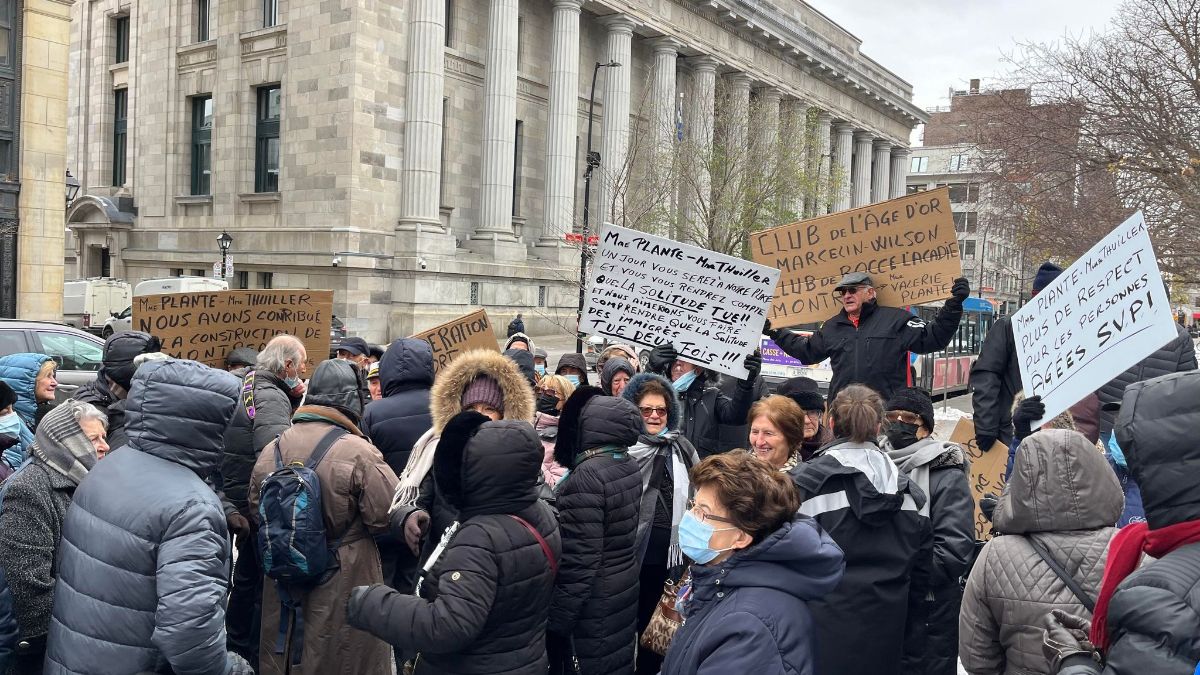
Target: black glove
x,y
1066,635
771,331
985,442
961,290
753,364
987,505
661,358
1027,411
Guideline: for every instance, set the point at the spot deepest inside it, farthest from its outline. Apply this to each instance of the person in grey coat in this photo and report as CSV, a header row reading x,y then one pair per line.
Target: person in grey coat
x,y
8,626
144,565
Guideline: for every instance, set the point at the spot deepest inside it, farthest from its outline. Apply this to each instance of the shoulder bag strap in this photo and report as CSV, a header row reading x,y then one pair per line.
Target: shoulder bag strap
x,y
1069,580
540,540
323,446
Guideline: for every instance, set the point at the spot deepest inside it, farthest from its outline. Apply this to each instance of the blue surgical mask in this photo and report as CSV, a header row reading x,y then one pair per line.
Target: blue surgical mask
x,y
684,381
291,382
694,537
1114,451
10,424
573,379
539,368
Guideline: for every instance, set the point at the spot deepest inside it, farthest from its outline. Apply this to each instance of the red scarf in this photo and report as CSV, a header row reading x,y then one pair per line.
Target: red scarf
x,y
1124,553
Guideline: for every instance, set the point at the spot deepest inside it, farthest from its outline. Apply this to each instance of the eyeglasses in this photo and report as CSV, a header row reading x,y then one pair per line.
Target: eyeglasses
x,y
904,416
849,290
653,411
548,392
705,517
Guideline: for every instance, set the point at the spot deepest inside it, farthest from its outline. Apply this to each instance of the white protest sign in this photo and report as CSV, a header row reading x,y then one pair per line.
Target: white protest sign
x,y
649,290
1102,315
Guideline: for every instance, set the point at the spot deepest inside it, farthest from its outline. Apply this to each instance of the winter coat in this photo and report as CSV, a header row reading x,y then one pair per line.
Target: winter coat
x,y
1177,356
750,614
705,409
356,490
1063,495
144,521
264,410
872,511
483,606
396,421
995,381
516,326
8,625
576,361
547,431
875,352
596,592
20,372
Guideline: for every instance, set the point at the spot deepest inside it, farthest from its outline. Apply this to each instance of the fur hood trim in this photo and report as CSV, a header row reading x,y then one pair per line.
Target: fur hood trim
x,y
445,400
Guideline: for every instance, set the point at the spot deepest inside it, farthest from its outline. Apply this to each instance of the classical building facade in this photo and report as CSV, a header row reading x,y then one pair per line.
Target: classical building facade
x,y
423,157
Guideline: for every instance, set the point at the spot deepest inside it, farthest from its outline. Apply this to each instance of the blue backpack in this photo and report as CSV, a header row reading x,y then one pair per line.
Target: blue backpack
x,y
292,542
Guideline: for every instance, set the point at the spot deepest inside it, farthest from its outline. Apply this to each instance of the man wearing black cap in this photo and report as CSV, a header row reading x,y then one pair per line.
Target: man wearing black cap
x,y
108,391
355,350
868,344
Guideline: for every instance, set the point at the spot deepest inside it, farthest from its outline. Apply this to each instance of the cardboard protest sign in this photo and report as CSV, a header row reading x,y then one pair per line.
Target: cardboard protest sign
x,y
987,471
205,326
1102,315
907,245
454,338
649,290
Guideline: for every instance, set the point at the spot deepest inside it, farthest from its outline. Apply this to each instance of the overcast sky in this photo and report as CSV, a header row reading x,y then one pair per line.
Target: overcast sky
x,y
939,44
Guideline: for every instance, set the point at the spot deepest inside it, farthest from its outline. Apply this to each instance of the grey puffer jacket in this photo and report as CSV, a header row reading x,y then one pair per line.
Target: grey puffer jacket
x,y
1063,494
143,568
1177,356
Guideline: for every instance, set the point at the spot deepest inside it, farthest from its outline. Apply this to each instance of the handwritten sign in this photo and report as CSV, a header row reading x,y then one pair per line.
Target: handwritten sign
x,y
987,471
205,326
648,290
907,245
454,338
1101,316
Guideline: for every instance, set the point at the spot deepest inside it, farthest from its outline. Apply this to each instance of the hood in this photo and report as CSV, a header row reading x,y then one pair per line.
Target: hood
x,y
407,364
877,489
337,384
590,420
62,445
1157,429
1059,482
445,399
613,366
487,467
926,452
633,391
119,351
799,559
575,360
178,411
20,371
520,337
243,357
524,361
95,392
624,351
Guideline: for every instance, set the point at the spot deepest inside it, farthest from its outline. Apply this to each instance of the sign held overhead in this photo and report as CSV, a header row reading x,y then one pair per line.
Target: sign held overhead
x,y
454,338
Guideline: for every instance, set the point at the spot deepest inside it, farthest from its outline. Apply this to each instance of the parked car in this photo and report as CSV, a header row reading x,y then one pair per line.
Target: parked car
x,y
78,353
87,303
123,320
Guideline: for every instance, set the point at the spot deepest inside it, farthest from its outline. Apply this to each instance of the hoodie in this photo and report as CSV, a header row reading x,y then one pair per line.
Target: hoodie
x,y
20,372
613,366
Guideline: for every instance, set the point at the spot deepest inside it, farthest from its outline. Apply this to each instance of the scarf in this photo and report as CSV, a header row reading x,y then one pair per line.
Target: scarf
x,y
792,462
917,460
648,449
1124,553
420,461
62,445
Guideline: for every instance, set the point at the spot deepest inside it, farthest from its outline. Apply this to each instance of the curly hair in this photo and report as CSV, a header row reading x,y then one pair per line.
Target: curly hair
x,y
758,498
857,413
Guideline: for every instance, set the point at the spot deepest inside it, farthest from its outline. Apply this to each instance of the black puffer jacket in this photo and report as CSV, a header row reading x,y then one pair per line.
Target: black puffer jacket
x,y
706,408
264,410
483,607
1177,356
395,422
8,626
995,381
596,593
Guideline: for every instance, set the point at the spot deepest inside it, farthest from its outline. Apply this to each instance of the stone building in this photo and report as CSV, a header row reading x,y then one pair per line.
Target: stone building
x,y
423,157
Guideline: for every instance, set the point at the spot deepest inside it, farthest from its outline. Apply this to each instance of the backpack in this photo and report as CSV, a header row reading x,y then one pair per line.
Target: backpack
x,y
292,542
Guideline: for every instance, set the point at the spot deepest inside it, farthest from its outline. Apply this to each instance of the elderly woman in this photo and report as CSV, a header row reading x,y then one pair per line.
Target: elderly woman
x,y
69,441
32,377
758,566
777,431
552,392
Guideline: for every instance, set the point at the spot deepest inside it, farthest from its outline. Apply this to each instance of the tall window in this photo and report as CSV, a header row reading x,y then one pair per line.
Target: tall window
x,y
474,293
201,20
270,13
518,151
442,161
120,113
266,156
121,25
918,165
8,76
266,279
968,249
449,20
958,162
202,124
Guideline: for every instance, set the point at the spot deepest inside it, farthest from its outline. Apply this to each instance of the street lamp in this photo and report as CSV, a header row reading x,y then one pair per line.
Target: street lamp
x,y
224,241
593,161
72,187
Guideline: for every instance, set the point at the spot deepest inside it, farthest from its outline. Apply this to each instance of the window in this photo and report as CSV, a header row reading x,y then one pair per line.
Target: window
x,y
202,124
474,293
266,279
270,13
442,161
958,162
965,221
70,351
121,27
964,193
266,156
968,249
241,279
449,20
518,151
12,342
541,296
176,271
120,114
918,165
202,20
914,189
198,273
7,38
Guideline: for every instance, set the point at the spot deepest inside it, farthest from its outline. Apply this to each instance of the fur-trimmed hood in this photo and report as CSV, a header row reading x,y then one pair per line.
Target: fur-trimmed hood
x,y
633,391
445,400
590,420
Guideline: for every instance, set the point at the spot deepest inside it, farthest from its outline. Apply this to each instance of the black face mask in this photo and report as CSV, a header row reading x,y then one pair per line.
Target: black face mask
x,y
900,434
548,405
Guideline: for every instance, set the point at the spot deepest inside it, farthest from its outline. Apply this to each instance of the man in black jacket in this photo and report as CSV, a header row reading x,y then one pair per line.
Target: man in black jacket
x,y
108,391
868,344
705,407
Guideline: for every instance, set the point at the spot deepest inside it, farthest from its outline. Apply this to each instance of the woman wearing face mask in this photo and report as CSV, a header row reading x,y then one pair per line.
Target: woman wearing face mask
x,y
573,367
551,393
32,378
777,428
664,457
758,566
940,470
705,407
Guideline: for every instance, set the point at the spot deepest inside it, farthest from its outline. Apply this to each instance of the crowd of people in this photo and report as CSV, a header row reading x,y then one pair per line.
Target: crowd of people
x,y
492,515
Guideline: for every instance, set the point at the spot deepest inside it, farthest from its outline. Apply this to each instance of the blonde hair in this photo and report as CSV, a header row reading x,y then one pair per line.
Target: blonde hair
x,y
561,384
49,368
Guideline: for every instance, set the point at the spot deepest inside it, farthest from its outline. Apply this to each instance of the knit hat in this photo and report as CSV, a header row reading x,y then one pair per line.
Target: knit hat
x,y
483,389
7,395
804,391
1046,274
119,352
913,400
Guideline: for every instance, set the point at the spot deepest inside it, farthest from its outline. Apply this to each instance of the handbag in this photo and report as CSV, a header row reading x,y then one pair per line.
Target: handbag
x,y
666,619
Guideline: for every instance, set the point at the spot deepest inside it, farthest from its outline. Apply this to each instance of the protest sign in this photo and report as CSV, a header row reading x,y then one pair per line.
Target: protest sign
x,y
649,290
454,338
1101,316
205,326
987,471
908,245
777,363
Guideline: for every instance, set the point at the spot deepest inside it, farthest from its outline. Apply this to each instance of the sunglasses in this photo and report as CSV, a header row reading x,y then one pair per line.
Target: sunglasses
x,y
652,411
851,290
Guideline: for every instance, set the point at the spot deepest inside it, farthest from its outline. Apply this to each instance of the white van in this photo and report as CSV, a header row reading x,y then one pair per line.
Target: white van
x,y
87,303
123,320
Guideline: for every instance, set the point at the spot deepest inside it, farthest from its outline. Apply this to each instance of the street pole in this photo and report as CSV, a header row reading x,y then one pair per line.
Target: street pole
x,y
593,161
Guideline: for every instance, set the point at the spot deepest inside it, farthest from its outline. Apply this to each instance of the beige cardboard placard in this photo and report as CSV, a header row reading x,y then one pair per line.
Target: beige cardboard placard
x,y
987,471
205,326
454,338
908,245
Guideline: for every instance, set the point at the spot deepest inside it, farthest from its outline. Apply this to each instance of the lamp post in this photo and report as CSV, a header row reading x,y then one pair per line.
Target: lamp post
x,y
593,161
224,241
72,187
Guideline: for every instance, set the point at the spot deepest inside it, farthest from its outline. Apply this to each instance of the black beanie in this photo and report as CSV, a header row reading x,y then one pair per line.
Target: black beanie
x,y
913,400
7,395
1046,275
119,351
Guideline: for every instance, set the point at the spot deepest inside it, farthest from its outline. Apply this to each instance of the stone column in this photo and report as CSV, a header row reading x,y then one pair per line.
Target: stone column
x,y
794,122
615,141
899,186
861,181
697,197
559,215
842,160
881,172
662,119
493,234
821,203
739,108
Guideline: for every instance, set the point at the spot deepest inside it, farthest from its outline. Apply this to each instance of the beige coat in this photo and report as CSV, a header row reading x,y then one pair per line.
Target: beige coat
x,y
356,490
